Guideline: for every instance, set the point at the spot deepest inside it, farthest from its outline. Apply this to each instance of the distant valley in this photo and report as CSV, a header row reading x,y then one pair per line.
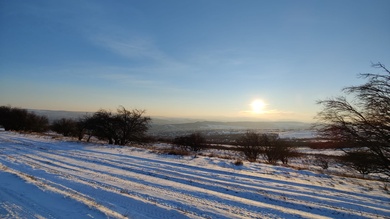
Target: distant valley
x,y
165,124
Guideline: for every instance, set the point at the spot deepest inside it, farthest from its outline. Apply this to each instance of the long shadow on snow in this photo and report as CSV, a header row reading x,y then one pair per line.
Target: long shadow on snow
x,y
252,191
76,145
70,178
75,176
248,194
127,203
308,196
243,176
66,147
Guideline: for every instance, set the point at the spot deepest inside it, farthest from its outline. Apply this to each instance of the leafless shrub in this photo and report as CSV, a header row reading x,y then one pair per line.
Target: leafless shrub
x,y
322,162
22,120
251,145
385,187
175,151
363,162
270,146
118,128
238,163
278,149
193,142
66,127
361,124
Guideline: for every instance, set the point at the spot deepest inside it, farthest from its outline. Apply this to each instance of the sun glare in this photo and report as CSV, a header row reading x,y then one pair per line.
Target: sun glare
x,y
258,106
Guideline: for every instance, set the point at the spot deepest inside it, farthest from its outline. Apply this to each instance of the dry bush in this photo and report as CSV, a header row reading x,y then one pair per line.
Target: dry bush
x,y
238,163
17,119
175,151
360,120
322,162
252,145
362,161
193,142
270,146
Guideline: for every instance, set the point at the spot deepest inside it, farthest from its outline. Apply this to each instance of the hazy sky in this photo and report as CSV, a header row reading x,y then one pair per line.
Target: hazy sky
x,y
188,58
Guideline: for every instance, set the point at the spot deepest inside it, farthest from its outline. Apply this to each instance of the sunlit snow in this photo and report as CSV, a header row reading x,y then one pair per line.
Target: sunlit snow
x,y
41,177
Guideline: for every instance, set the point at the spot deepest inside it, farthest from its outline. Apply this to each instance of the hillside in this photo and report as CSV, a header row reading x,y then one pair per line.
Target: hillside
x,y
46,178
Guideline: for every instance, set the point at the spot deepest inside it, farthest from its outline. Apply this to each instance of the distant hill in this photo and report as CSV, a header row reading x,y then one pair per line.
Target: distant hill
x,y
165,124
210,125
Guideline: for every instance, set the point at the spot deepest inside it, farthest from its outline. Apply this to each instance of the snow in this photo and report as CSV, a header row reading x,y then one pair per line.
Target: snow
x,y
298,134
41,177
329,152
20,199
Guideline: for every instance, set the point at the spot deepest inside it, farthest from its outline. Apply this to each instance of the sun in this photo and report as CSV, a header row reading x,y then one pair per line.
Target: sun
x,y
258,106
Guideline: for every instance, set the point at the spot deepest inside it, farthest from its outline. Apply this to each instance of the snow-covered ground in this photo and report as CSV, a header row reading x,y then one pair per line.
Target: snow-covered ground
x,y
298,134
42,177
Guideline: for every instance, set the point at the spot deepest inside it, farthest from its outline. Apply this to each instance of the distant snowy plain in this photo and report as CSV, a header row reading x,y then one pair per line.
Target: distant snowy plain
x,y
41,177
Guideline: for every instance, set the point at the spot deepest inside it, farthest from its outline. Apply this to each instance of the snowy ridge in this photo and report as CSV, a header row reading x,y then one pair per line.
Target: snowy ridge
x,y
126,182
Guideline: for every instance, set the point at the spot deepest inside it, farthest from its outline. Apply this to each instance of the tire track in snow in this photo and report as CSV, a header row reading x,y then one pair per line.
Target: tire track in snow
x,y
68,167
165,175
47,167
59,165
206,203
183,198
271,192
95,196
47,185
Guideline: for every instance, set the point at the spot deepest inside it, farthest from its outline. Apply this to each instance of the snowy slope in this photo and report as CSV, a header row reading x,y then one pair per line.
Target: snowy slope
x,y
46,178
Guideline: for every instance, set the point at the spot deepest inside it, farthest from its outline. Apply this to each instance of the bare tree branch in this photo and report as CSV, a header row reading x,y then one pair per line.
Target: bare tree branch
x,y
364,123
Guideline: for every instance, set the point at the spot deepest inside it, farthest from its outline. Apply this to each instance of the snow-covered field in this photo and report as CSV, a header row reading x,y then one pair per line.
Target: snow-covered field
x,y
42,177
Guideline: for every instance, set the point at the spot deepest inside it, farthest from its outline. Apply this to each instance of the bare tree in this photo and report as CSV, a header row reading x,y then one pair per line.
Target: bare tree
x,y
66,127
278,149
118,128
102,125
269,146
193,142
362,161
364,122
83,128
21,120
251,145
131,125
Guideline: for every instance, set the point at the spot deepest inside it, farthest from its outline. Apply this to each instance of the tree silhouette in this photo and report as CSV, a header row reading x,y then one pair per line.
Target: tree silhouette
x,y
118,128
363,123
251,144
193,142
21,120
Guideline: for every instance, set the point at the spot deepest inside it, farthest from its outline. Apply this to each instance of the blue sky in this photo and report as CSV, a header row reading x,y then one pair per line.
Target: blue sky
x,y
182,58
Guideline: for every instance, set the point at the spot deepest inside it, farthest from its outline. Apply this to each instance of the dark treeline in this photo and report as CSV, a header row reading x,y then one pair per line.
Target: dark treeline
x,y
118,128
17,119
